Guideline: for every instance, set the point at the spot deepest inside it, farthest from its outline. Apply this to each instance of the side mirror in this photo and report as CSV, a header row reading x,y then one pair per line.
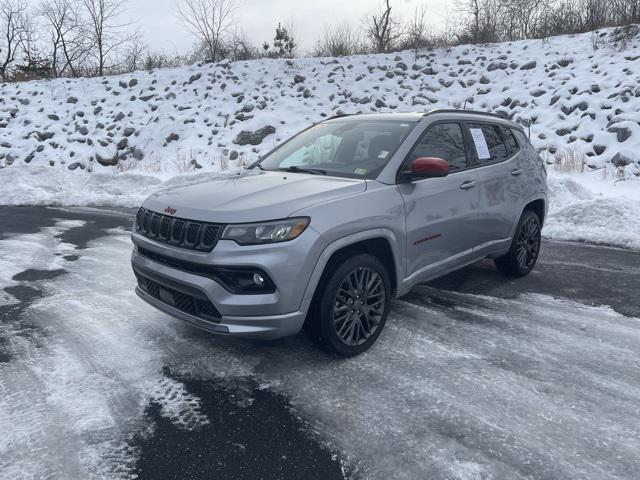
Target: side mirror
x,y
428,167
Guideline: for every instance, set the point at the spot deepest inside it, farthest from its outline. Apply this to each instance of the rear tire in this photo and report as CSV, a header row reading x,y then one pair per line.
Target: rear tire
x,y
525,247
351,306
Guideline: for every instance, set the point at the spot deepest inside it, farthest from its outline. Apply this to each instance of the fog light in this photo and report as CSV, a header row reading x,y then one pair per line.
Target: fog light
x,y
258,279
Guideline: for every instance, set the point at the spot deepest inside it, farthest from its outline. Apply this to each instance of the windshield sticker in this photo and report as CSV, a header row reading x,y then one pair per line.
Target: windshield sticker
x,y
481,143
360,171
383,154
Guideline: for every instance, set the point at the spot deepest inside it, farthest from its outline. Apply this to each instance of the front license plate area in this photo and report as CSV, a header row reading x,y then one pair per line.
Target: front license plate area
x,y
167,297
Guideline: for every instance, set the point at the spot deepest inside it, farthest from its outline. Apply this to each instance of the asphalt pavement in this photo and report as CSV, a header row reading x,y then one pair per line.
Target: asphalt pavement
x,y
476,376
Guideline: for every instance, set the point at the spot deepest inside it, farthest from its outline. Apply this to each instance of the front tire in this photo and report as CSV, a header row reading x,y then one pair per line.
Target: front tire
x,y
525,247
352,306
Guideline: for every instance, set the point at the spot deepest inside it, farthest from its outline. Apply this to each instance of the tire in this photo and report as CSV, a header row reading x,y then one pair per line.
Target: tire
x,y
525,247
351,306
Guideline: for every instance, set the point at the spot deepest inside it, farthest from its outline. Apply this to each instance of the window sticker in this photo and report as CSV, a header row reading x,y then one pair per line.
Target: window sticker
x,y
481,143
383,154
360,171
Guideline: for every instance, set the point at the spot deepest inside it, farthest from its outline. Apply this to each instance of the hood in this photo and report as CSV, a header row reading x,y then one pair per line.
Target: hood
x,y
252,197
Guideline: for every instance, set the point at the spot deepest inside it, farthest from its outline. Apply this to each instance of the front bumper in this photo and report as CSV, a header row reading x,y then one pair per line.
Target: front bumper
x,y
264,316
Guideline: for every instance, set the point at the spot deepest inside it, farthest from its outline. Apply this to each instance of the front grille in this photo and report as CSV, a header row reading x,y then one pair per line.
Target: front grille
x,y
178,232
179,300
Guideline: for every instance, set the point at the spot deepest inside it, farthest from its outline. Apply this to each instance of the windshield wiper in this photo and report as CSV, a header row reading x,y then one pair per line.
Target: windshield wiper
x,y
296,169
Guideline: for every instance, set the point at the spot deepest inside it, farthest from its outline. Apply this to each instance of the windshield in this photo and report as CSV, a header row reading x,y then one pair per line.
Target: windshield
x,y
359,149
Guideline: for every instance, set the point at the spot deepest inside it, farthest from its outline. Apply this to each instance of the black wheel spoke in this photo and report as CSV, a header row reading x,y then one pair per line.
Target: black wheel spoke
x,y
528,244
359,306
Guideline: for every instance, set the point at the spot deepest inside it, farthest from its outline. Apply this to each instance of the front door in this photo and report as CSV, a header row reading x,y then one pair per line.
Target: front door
x,y
441,213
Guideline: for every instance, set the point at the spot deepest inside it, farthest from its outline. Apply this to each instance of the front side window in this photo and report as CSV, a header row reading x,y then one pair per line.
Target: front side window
x,y
443,140
356,149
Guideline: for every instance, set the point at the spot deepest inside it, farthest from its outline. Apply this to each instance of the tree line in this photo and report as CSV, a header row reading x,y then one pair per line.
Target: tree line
x,y
72,38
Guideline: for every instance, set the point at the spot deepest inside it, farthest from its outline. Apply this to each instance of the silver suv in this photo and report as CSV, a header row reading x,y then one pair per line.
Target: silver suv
x,y
326,229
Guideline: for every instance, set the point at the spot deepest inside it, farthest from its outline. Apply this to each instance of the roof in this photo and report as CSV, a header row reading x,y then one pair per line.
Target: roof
x,y
417,116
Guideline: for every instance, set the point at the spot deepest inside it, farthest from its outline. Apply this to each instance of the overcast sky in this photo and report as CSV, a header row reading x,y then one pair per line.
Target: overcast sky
x,y
258,18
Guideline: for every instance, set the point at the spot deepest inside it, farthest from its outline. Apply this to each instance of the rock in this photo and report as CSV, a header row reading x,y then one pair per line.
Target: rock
x,y
306,93
561,132
233,155
129,131
622,133
528,66
298,78
538,93
29,157
137,154
133,82
72,100
83,130
380,104
402,66
123,84
172,138
599,149
75,165
497,66
146,98
53,117
194,78
620,160
118,117
107,162
97,110
44,136
122,144
246,137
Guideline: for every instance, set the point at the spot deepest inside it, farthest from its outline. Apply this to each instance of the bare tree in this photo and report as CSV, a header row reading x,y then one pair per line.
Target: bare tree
x,y
338,41
67,43
12,28
382,28
210,21
106,31
417,30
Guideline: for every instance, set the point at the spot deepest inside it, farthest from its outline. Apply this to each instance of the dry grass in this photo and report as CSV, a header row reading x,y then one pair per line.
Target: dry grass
x,y
125,165
184,162
570,160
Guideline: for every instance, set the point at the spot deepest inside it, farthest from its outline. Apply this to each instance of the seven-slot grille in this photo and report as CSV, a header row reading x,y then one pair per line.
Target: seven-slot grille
x,y
179,232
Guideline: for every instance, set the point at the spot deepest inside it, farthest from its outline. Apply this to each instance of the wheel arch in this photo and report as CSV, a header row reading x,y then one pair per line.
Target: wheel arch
x,y
539,207
381,243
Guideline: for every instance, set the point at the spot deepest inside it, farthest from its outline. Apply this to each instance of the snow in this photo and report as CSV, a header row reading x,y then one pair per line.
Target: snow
x,y
458,386
78,391
584,207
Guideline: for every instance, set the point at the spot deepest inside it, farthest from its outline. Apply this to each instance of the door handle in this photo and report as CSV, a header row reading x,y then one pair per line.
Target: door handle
x,y
466,185
517,172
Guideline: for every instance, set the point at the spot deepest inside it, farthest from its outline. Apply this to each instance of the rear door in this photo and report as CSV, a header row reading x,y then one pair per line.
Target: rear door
x,y
500,192
441,213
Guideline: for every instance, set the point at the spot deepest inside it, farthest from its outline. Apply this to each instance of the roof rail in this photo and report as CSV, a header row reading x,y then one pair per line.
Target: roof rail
x,y
458,110
339,115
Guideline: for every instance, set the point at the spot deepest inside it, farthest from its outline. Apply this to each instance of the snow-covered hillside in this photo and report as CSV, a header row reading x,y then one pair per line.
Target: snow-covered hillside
x,y
573,95
112,140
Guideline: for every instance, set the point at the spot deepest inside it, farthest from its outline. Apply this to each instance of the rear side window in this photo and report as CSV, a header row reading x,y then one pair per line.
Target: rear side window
x,y
443,140
509,141
489,145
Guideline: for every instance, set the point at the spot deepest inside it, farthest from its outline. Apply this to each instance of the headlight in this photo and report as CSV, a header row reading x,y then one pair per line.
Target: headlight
x,y
267,232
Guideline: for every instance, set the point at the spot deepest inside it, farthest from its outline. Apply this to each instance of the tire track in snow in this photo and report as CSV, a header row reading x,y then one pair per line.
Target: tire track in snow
x,y
72,400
